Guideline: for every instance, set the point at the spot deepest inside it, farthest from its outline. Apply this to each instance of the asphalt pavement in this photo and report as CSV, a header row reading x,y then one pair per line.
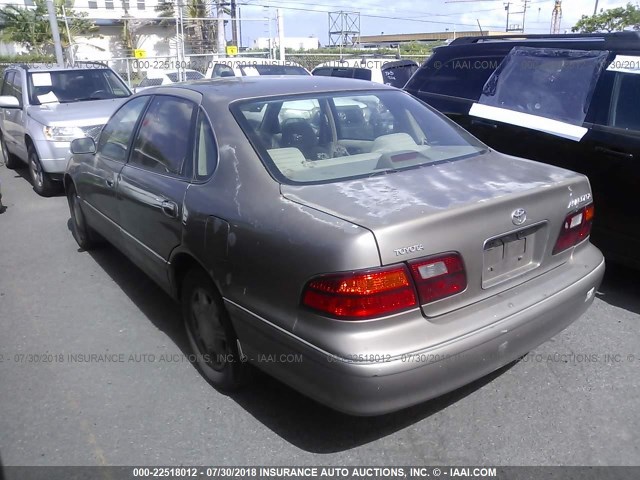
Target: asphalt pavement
x,y
94,371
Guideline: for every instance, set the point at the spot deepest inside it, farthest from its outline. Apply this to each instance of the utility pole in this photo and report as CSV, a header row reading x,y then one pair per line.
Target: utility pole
x,y
556,17
595,9
221,40
234,23
57,44
280,33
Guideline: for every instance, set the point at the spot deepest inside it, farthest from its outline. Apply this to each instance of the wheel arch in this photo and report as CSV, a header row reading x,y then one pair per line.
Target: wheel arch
x,y
181,262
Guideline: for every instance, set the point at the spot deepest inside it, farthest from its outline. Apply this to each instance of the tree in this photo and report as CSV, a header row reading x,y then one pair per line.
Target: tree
x,y
612,20
200,35
30,26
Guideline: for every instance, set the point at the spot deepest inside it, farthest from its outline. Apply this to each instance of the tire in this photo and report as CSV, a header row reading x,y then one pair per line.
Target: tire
x,y
42,184
10,160
211,336
81,231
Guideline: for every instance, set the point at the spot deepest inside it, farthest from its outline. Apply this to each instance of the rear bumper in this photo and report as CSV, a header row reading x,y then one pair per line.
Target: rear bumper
x,y
390,384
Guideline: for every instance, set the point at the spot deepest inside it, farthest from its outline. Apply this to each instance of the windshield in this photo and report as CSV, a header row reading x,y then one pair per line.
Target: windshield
x,y
253,70
335,136
77,85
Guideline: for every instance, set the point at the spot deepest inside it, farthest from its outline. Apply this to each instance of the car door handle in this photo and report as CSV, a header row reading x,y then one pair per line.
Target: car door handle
x,y
615,153
110,183
484,123
169,208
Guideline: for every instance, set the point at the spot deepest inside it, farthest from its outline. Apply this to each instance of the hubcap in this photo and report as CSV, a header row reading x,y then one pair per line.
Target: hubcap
x,y
36,171
208,332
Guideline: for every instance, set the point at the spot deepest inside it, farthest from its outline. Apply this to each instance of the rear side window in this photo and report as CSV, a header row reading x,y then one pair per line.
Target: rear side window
x,y
461,77
625,103
206,154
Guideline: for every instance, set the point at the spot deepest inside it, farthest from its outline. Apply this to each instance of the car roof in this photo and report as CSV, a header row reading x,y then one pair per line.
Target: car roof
x,y
236,88
587,41
359,62
161,73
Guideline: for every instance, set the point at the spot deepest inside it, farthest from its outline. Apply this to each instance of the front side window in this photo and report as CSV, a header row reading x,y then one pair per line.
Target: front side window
x,y
330,137
75,85
116,135
160,146
7,85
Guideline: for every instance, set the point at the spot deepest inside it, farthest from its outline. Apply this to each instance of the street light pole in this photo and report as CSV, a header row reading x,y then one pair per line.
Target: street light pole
x,y
55,33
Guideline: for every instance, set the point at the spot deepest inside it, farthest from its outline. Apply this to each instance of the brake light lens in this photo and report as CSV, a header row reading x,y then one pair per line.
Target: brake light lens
x,y
361,295
438,277
575,229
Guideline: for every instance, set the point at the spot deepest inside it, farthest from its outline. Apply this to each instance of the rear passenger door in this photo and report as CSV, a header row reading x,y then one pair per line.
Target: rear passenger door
x,y
153,183
612,163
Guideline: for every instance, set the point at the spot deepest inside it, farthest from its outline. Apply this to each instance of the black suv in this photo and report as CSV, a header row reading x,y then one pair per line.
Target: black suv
x,y
567,100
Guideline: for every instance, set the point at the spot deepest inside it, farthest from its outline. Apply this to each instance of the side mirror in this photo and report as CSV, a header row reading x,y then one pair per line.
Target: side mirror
x,y
8,101
84,145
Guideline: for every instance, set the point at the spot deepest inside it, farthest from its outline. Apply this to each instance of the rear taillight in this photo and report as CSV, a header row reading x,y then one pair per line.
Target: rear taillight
x,y
383,291
438,277
576,228
361,294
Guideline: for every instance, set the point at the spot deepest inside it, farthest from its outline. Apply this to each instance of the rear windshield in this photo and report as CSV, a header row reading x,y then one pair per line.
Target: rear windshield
x,y
252,70
329,137
76,85
398,76
344,72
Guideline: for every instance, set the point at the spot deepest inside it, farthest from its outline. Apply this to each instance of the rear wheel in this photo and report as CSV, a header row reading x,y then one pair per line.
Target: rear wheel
x,y
10,160
210,333
42,183
83,233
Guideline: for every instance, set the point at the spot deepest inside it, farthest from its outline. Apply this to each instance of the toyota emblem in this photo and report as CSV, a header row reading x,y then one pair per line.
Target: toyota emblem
x,y
519,216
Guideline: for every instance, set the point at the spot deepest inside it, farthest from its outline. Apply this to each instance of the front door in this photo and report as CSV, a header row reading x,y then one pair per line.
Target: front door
x,y
152,185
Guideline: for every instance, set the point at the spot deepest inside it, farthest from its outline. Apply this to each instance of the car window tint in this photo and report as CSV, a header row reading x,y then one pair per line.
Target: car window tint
x,y
7,86
625,103
461,77
206,153
222,70
162,143
17,86
116,134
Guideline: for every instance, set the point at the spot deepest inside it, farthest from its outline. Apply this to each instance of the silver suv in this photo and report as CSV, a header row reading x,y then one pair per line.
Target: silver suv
x,y
43,109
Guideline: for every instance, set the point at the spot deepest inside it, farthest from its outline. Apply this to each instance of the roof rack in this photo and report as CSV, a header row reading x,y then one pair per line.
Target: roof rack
x,y
621,40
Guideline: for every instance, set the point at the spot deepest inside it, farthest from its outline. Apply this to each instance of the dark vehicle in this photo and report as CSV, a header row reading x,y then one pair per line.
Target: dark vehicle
x,y
394,73
371,264
568,100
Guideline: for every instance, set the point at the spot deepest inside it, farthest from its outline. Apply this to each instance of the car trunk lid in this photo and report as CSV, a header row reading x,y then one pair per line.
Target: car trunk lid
x,y
501,214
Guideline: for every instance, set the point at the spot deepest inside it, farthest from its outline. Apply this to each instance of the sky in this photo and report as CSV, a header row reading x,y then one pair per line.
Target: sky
x,y
305,18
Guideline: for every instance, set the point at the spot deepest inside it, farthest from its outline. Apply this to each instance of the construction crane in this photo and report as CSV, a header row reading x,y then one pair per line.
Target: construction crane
x,y
556,17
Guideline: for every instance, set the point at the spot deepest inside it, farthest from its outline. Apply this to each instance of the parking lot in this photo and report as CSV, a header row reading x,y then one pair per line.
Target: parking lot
x,y
94,371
